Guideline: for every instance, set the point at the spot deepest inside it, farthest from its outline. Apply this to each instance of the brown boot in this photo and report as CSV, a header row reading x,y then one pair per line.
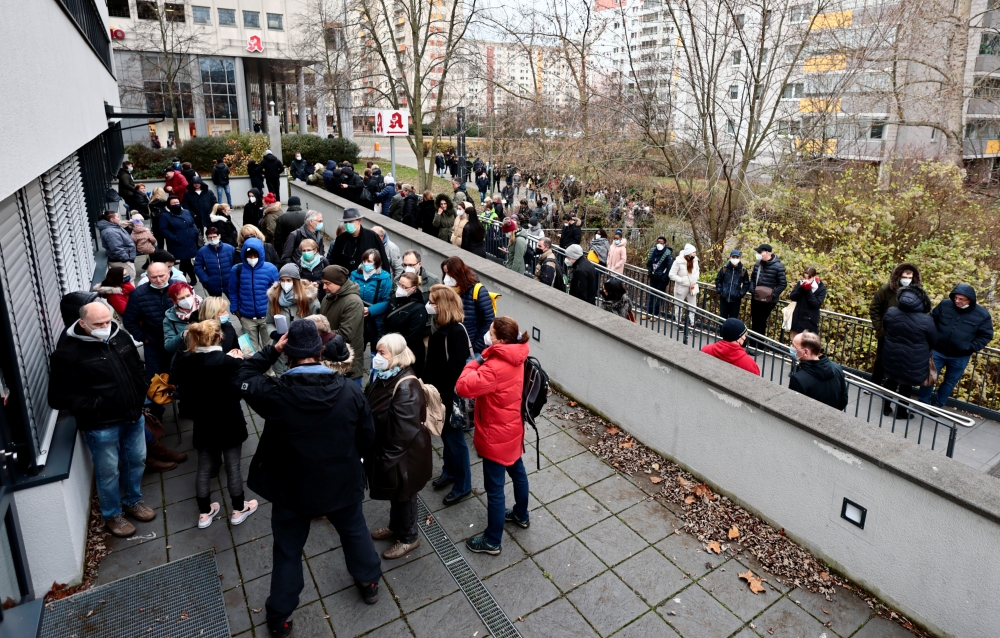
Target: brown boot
x,y
140,512
119,527
400,549
154,465
161,452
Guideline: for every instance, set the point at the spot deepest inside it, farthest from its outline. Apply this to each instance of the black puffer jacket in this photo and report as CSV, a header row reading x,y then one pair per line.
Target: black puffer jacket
x,y
807,305
583,280
909,337
213,400
273,168
822,380
400,463
960,332
408,316
447,351
770,274
252,212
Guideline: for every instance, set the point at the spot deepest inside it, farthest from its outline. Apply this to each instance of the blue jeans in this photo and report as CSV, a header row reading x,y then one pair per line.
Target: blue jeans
x,y
456,459
955,368
119,454
224,189
496,508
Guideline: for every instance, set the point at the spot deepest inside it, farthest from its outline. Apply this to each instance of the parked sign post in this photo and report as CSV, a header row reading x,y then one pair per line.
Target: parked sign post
x,y
392,124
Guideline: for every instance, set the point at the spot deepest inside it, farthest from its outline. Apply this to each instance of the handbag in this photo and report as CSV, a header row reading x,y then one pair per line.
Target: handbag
x,y
786,315
932,374
160,391
763,293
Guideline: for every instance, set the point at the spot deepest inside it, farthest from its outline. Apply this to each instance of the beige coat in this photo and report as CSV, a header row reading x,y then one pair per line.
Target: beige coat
x,y
456,230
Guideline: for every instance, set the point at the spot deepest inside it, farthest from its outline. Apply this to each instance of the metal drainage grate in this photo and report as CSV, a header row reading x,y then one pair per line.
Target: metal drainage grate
x,y
178,600
496,621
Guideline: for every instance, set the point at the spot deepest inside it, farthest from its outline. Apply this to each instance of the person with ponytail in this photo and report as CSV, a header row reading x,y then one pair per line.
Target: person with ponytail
x,y
495,379
205,374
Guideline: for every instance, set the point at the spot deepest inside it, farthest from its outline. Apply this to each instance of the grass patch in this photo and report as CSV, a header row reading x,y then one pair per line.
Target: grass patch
x,y
407,175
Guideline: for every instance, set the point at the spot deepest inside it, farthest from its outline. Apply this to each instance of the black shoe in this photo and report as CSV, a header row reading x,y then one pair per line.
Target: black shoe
x,y
284,631
453,498
510,517
480,545
904,415
369,593
886,408
442,481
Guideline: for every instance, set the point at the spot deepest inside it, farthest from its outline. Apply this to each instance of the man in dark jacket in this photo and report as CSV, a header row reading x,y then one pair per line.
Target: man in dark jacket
x,y
200,200
408,210
213,263
273,168
817,377
311,228
658,264
98,378
349,246
126,185
188,171
768,273
317,427
178,225
963,328
343,308
903,275
253,210
732,284
118,244
582,275
547,269
572,233
300,168
351,184
288,222
220,177
143,318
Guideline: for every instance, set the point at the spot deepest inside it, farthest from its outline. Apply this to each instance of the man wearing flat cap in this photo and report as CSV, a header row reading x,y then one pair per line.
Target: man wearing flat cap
x,y
350,246
317,427
343,308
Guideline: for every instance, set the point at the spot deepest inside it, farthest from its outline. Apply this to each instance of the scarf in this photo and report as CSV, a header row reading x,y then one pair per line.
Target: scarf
x,y
309,265
388,374
656,264
287,299
201,349
184,315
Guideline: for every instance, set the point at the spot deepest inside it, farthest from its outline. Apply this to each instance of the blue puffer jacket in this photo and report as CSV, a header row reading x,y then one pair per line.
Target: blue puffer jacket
x,y
385,196
118,244
375,292
248,286
328,174
212,265
478,316
144,313
181,231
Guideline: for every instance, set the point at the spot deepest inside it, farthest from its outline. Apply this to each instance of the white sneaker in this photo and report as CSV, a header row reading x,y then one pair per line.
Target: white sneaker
x,y
204,520
249,507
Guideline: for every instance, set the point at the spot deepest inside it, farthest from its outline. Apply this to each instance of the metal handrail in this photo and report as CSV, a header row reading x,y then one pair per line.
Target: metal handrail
x,y
695,325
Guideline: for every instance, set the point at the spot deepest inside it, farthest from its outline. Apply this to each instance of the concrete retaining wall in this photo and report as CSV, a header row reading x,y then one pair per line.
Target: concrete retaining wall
x,y
238,188
932,523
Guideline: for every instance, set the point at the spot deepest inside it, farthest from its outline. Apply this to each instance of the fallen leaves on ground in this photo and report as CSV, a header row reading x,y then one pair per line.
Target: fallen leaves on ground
x,y
656,479
96,551
689,499
612,430
714,546
734,532
572,404
755,583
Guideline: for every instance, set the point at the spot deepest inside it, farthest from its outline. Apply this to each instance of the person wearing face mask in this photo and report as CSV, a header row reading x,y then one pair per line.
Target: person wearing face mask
x,y
97,376
214,262
249,282
221,218
476,302
407,315
293,298
399,463
116,287
299,168
220,177
143,318
311,264
963,328
444,216
535,228
547,268
269,221
903,275
126,185
351,244
817,377
375,287
311,228
495,381
177,317
685,274
659,262
157,208
618,253
767,282
583,277
217,309
599,246
517,245
181,231
572,231
808,296
253,209
909,341
395,257
412,264
200,200
270,254
117,242
288,222
461,220
731,285
345,312
730,348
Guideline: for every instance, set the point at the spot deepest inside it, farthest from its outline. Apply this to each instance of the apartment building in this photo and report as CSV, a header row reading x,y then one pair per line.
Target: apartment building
x,y
506,74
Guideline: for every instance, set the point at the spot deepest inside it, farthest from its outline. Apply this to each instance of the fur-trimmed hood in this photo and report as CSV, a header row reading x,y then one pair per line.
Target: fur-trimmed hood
x,y
897,274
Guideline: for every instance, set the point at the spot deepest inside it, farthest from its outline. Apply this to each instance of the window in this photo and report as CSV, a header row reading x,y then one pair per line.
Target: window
x,y
155,89
793,91
730,128
990,44
737,58
173,12
118,9
251,19
147,10
987,88
227,17
275,21
201,15
218,80
740,20
799,13
790,128
982,130
876,130
734,92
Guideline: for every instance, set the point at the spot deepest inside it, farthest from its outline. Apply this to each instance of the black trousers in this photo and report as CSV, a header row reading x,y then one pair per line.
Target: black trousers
x,y
878,374
186,267
729,309
273,186
291,529
403,520
759,313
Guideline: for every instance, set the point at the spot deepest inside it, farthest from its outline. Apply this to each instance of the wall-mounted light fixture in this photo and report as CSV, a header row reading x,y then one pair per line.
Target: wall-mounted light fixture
x,y
853,513
536,334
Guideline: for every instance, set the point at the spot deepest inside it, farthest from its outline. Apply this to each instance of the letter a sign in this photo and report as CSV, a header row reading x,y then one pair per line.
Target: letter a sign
x,y
391,123
254,44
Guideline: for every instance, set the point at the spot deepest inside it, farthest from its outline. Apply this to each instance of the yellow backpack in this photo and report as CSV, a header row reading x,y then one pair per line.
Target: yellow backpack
x,y
493,297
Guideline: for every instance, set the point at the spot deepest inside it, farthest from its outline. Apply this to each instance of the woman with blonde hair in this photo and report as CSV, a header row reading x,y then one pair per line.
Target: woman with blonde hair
x,y
311,263
217,308
157,206
447,351
400,461
205,374
222,219
292,298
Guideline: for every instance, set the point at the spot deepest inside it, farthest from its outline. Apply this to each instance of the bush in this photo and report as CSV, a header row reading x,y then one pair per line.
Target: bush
x,y
202,152
148,163
244,147
320,150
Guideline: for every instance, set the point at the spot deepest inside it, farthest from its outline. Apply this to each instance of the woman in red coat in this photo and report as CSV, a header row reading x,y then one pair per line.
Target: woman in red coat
x,y
495,378
116,287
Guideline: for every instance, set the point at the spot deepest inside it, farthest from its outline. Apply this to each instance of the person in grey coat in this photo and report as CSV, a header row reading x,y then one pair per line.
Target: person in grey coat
x,y
117,242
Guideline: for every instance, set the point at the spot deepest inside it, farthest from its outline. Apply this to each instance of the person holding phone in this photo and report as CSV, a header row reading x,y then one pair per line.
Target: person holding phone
x,y
290,298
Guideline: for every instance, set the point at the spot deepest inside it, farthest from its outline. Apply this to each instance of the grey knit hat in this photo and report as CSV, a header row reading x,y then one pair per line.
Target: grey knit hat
x,y
574,252
289,270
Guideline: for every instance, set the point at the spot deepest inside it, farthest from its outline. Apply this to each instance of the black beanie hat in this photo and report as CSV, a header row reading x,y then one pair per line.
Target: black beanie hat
x,y
303,340
733,329
336,350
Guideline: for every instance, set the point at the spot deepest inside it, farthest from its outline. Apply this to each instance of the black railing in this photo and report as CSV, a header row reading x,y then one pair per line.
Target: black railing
x,y
87,18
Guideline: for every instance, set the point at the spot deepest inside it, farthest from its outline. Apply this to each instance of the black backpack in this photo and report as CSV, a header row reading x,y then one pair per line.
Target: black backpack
x,y
534,396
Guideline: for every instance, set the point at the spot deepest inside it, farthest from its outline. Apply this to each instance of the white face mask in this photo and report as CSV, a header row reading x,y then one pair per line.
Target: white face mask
x,y
569,263
597,236
380,363
661,246
450,281
401,292
734,261
488,339
431,310
252,199
252,261
905,281
412,269
213,242
186,303
618,242
100,333
759,256
287,285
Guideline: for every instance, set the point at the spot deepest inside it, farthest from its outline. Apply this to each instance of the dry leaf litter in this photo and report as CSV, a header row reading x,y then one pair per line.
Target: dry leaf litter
x,y
713,519
97,549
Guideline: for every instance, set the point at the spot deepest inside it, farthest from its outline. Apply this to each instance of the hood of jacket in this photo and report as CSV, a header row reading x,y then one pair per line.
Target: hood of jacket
x,y
256,244
600,242
437,202
104,291
347,171
376,172
270,158
273,209
914,299
331,165
256,193
897,274
73,332
103,224
461,187
512,353
968,291
822,368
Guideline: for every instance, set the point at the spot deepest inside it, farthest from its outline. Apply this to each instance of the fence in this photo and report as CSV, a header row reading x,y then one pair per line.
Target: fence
x,y
697,326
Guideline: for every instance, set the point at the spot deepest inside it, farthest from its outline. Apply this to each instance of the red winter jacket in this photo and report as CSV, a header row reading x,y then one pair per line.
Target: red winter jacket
x,y
496,385
732,352
179,184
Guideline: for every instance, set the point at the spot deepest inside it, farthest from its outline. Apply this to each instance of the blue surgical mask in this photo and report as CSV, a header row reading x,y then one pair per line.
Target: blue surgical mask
x,y
368,267
319,227
127,279
791,351
349,227
223,318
